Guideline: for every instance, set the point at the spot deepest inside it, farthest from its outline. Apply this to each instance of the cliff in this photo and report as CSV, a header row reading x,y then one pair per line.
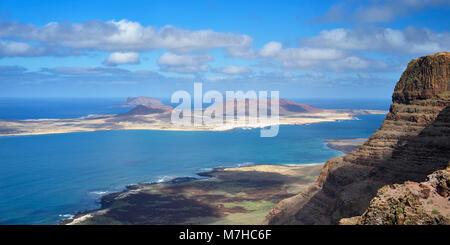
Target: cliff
x,y
411,203
412,143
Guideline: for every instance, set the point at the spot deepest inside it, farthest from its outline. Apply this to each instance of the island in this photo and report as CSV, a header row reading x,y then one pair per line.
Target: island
x,y
152,114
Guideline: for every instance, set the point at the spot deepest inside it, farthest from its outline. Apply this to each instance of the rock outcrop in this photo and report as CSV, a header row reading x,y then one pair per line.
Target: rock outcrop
x,y
411,203
413,142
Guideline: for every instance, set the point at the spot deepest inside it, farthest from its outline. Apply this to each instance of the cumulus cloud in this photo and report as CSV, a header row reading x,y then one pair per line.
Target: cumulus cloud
x,y
314,55
245,51
233,70
408,41
336,49
122,36
184,63
172,59
120,58
350,63
302,57
11,48
309,54
270,49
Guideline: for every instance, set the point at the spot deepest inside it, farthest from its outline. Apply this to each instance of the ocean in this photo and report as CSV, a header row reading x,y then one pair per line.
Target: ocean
x,y
45,178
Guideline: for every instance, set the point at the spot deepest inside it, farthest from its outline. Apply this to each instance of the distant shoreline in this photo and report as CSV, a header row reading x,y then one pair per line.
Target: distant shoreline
x,y
160,121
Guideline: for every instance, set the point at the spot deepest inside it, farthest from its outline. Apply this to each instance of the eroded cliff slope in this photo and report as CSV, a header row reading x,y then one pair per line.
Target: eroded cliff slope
x,y
412,143
411,203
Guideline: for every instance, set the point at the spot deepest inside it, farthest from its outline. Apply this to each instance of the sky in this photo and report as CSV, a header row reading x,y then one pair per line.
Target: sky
x,y
304,49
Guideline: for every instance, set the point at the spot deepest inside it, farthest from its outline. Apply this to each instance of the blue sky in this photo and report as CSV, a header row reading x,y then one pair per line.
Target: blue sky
x,y
304,49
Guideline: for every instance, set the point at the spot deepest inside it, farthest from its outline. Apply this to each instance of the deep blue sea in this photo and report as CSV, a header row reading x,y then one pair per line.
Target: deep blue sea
x,y
45,178
32,108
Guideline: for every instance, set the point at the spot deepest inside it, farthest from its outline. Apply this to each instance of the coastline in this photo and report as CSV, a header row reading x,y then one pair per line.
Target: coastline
x,y
291,179
120,187
160,121
233,195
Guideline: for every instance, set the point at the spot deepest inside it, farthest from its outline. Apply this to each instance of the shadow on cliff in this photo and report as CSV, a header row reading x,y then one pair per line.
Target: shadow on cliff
x,y
348,189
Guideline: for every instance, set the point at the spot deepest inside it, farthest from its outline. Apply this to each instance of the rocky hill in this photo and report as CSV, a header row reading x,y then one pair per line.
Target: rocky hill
x,y
143,100
147,106
412,143
286,107
411,203
147,110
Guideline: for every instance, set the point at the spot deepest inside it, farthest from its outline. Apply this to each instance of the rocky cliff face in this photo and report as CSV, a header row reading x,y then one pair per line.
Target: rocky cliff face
x,y
413,142
411,203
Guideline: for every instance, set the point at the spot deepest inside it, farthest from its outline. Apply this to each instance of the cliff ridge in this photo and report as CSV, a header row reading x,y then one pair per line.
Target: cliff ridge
x,y
412,143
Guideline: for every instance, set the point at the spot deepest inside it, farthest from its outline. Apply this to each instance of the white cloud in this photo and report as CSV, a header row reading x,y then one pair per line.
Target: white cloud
x,y
270,49
242,51
322,56
336,49
123,36
172,59
11,48
310,54
302,57
233,70
408,41
184,63
120,58
350,63
308,57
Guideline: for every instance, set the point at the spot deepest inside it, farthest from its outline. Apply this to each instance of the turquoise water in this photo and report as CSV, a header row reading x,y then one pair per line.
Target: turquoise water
x,y
45,177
